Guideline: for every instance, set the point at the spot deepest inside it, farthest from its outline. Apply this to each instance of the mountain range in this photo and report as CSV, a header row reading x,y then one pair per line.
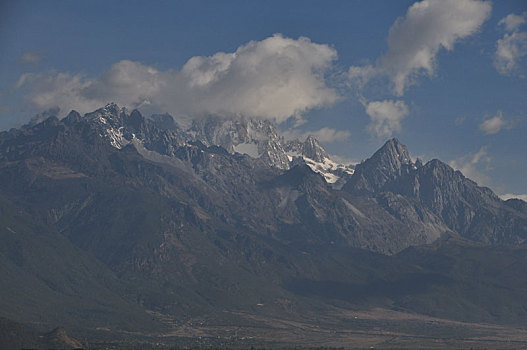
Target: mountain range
x,y
118,225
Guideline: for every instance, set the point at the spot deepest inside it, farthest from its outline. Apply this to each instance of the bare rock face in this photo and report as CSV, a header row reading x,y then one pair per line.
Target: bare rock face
x,y
311,153
233,156
118,212
391,162
313,149
472,211
256,138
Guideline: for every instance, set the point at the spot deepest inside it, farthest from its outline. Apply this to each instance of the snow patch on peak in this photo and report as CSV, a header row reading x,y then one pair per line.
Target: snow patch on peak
x,y
116,137
333,172
315,156
257,138
108,121
314,150
250,148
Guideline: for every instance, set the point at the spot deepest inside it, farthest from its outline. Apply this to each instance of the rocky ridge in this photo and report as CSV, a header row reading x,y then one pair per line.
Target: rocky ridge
x,y
127,217
258,139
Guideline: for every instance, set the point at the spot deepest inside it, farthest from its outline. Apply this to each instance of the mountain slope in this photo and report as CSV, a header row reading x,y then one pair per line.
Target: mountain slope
x,y
47,281
147,217
472,211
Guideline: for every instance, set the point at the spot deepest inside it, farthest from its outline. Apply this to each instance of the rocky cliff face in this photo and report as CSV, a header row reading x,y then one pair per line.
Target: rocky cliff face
x,y
256,138
180,217
223,164
378,173
474,212
237,188
311,153
312,149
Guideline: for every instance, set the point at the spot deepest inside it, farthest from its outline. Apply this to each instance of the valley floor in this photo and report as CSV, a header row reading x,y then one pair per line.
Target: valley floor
x,y
376,328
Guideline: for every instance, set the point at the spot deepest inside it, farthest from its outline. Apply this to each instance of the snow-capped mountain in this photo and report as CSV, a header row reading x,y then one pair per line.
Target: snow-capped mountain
x,y
315,156
261,139
184,226
258,139
110,123
120,127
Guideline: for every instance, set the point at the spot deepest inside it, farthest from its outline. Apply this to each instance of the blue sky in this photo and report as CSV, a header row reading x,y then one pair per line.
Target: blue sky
x,y
448,78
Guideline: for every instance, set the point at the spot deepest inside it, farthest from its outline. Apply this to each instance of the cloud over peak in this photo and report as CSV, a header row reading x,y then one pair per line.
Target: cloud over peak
x,y
323,135
385,117
128,83
276,78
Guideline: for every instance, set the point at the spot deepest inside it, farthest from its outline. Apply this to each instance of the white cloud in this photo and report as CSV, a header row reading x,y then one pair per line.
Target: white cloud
x,y
30,58
386,116
343,160
323,135
494,125
513,22
415,39
510,49
128,83
429,25
276,78
331,135
361,75
56,90
470,165
511,195
460,120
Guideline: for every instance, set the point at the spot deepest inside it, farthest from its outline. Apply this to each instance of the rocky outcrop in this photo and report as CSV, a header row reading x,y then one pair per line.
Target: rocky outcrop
x,y
472,211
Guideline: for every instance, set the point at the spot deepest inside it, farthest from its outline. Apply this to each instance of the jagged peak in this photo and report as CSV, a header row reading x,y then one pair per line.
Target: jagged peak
x,y
135,120
228,124
112,106
517,203
164,121
111,115
136,113
298,175
386,165
437,163
109,110
393,141
73,114
50,121
312,141
229,132
441,167
72,117
313,149
394,150
389,159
